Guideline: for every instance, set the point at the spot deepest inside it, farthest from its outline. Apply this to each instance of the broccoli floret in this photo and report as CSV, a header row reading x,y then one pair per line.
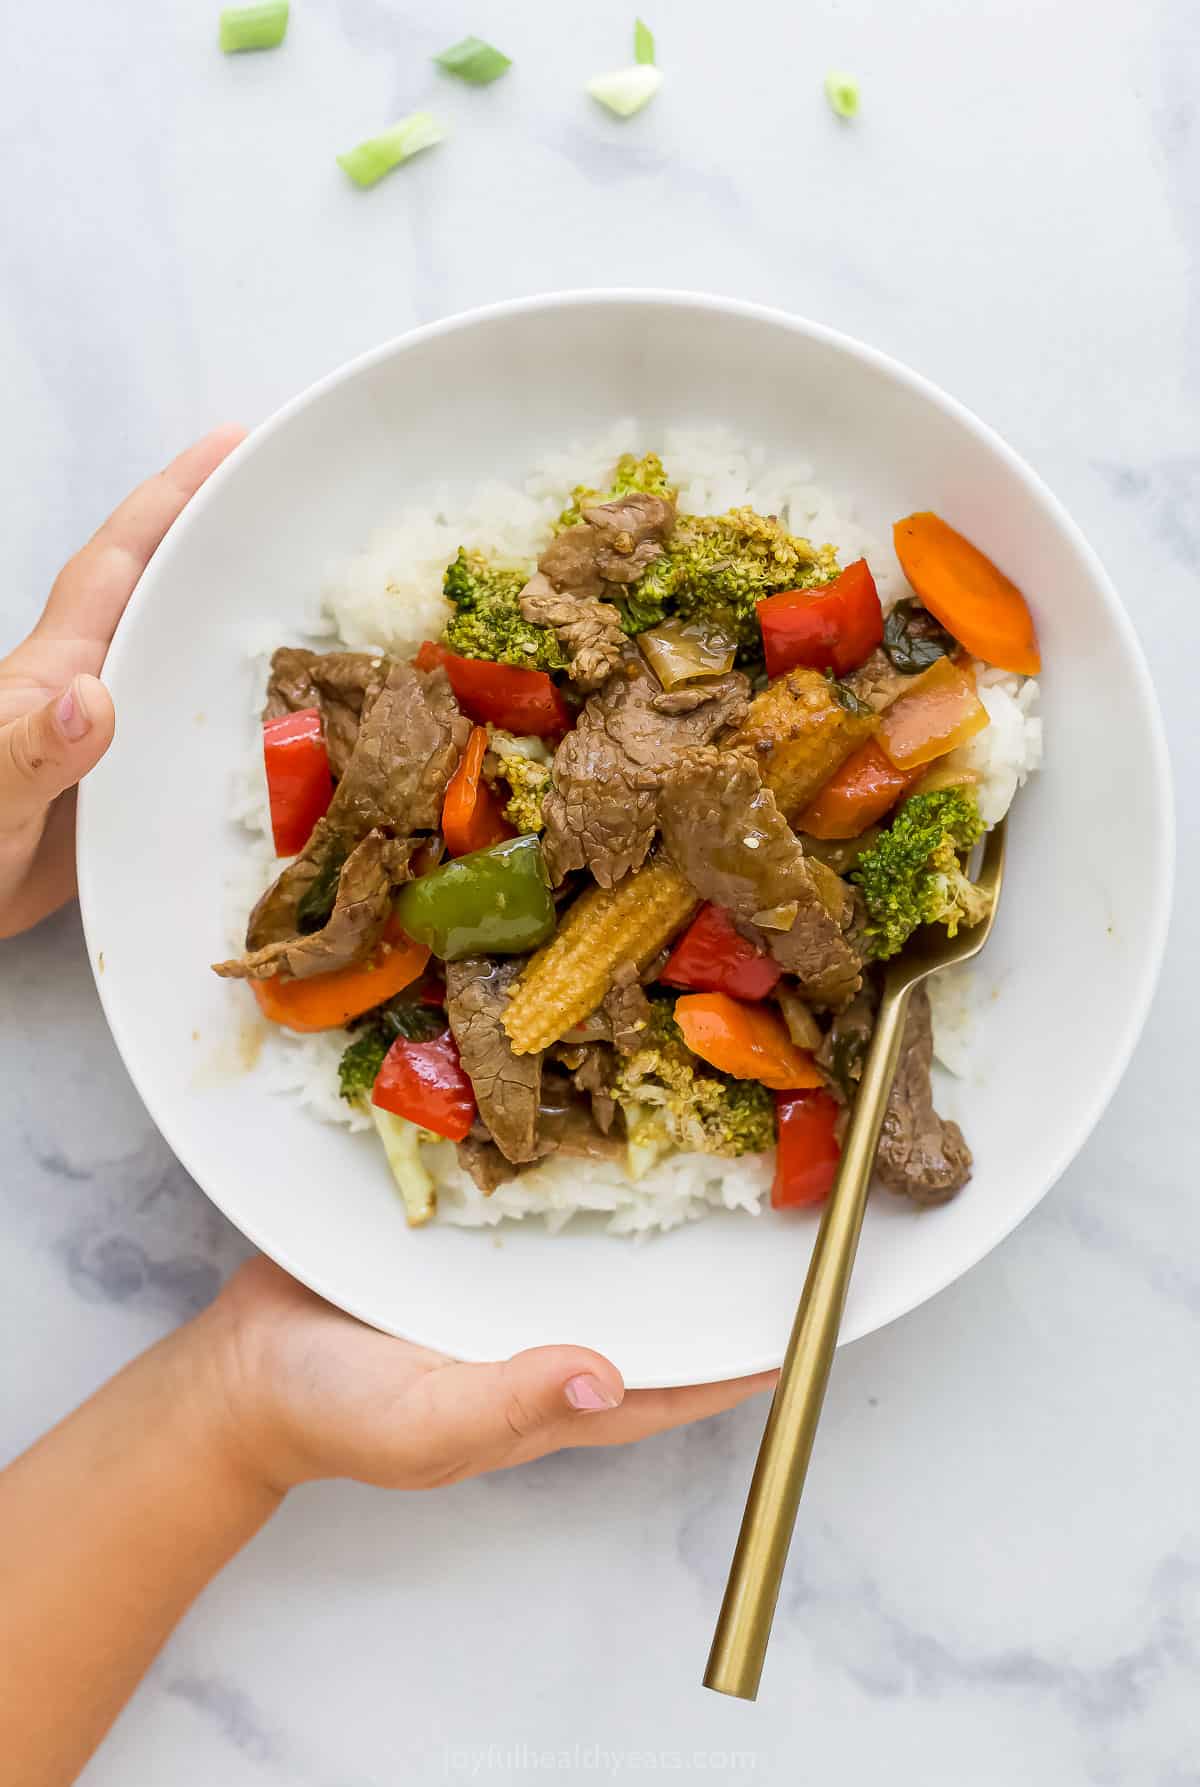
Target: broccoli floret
x,y
375,1032
529,782
630,473
912,876
487,621
719,566
669,1095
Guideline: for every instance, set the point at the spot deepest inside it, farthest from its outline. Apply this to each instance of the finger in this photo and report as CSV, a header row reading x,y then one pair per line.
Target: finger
x,y
644,1412
478,1417
47,751
91,591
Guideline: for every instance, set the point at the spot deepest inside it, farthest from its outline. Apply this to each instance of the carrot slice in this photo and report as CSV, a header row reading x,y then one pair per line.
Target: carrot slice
x,y
327,1001
940,712
748,1041
970,595
471,814
856,795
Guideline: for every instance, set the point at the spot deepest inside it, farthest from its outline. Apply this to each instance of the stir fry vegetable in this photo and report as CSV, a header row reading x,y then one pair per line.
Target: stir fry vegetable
x,y
471,815
299,784
712,956
857,795
521,701
493,902
487,621
912,875
425,1082
327,1001
800,733
969,594
807,1149
750,1042
684,651
833,627
940,712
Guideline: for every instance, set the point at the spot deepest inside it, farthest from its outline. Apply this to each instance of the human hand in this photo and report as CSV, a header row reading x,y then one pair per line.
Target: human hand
x,y
56,717
309,1392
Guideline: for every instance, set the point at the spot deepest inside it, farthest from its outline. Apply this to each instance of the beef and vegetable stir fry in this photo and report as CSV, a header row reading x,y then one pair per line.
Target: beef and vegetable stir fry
x,y
607,869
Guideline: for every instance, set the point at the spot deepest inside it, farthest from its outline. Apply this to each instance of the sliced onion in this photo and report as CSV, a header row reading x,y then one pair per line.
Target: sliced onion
x,y
683,651
946,774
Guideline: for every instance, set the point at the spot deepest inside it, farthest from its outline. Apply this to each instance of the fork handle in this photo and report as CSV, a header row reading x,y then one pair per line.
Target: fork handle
x,y
744,1625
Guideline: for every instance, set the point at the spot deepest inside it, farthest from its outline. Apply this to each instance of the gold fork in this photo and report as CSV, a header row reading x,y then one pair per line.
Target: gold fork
x,y
744,1626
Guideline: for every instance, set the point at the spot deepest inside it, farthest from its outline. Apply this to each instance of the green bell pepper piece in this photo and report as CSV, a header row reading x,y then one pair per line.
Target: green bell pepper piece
x,y
494,902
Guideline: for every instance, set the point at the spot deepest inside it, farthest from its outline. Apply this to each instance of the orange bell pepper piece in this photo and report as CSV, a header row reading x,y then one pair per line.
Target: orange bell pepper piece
x,y
940,712
971,597
471,815
327,1001
748,1041
857,795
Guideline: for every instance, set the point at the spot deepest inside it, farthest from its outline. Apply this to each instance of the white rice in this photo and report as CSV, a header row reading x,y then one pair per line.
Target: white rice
x,y
388,598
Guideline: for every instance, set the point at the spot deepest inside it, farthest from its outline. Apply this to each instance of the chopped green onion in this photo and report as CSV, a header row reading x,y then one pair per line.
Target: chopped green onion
x,y
475,61
261,27
643,43
371,160
842,94
628,90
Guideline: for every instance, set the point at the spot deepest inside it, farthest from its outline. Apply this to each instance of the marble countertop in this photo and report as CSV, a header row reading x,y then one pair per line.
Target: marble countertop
x,y
996,1576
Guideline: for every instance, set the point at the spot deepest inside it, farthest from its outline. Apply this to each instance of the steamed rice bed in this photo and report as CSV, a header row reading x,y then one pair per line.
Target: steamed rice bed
x,y
388,598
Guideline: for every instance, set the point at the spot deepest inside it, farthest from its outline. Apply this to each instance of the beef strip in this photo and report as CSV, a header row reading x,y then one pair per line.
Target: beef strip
x,y
340,684
354,927
590,630
920,1154
609,548
407,749
507,1086
724,833
479,1156
602,810
627,1009
877,682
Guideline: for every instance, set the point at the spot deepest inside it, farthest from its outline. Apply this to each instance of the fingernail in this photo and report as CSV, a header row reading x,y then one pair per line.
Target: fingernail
x,y
588,1393
71,715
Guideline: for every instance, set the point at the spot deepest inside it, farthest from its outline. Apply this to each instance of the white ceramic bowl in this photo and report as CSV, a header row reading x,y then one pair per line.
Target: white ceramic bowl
x,y
1066,979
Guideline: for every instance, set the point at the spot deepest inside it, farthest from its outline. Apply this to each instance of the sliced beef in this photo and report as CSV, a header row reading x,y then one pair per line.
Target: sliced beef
x,y
724,833
877,682
920,1154
340,684
614,543
480,1157
602,811
408,748
361,908
507,1086
627,1009
630,533
589,629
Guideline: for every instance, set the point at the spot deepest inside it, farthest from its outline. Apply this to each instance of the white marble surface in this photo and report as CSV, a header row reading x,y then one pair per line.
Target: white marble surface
x,y
997,1573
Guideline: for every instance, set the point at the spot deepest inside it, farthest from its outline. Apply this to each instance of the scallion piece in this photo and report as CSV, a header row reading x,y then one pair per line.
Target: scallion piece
x,y
261,27
643,42
628,90
842,94
371,160
475,61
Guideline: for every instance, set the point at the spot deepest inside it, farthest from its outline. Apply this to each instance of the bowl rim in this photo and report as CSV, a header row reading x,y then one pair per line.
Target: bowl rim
x,y
1154,934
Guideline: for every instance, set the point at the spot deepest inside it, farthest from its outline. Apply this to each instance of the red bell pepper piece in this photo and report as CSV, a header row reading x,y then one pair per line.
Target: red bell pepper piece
x,y
520,701
299,784
807,1150
472,817
425,1082
835,627
712,956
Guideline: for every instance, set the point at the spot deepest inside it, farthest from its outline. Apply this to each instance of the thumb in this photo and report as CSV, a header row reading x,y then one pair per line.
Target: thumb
x,y
484,1416
47,751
